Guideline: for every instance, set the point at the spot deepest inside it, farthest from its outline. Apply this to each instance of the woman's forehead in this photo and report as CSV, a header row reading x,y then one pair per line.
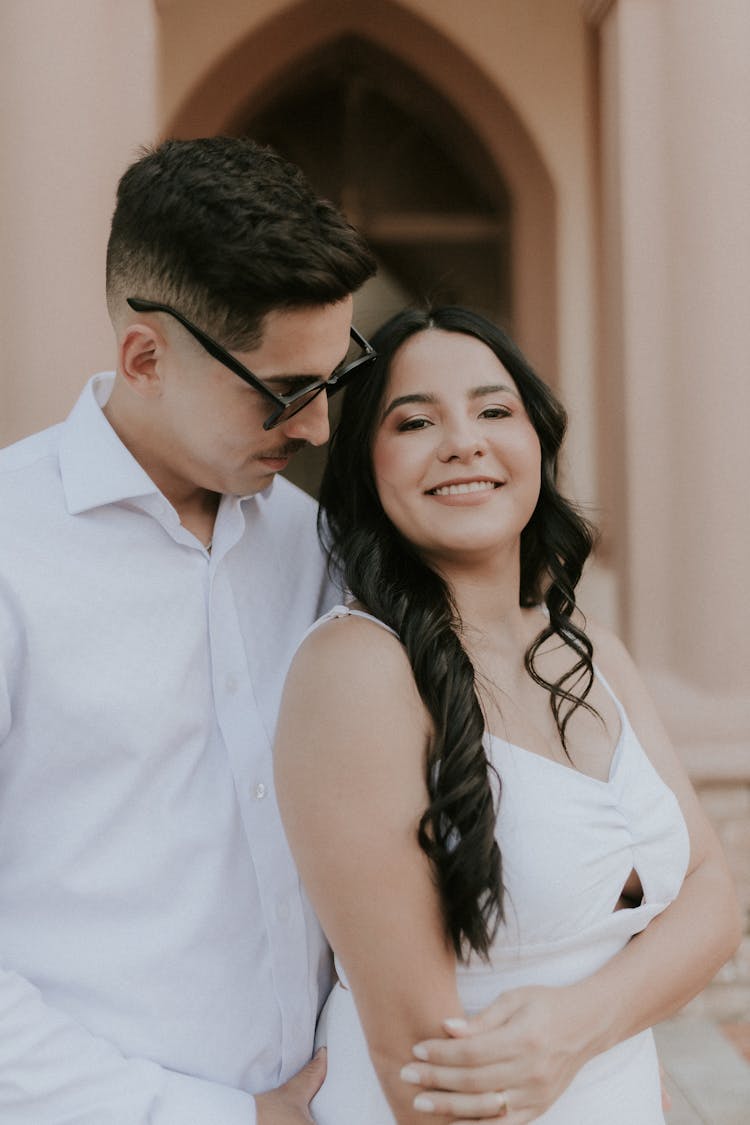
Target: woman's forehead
x,y
448,360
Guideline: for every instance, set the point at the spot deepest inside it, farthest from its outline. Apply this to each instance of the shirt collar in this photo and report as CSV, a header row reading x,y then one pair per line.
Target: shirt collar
x,y
96,468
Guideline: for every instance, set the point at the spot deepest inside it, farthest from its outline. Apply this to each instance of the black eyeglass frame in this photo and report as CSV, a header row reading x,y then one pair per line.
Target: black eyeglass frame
x,y
286,405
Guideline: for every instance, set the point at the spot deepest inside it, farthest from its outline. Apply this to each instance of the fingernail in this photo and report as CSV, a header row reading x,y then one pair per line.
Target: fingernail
x,y
420,1052
424,1103
411,1074
455,1025
320,1051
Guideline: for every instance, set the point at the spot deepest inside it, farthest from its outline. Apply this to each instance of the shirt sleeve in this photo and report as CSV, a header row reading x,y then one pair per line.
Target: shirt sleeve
x,y
53,1070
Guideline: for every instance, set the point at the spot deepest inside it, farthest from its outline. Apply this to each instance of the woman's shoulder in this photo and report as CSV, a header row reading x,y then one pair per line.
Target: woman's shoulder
x,y
354,658
350,632
351,706
611,656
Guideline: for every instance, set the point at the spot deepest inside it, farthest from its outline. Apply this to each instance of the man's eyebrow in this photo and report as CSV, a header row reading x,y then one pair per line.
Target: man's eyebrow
x,y
296,382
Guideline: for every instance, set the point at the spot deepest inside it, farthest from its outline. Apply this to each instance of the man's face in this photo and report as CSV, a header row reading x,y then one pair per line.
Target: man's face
x,y
209,422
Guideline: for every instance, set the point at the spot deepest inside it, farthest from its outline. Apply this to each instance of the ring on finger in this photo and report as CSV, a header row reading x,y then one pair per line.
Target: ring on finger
x,y
502,1107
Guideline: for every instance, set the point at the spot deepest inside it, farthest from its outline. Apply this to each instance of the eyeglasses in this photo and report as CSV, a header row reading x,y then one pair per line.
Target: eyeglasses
x,y
287,405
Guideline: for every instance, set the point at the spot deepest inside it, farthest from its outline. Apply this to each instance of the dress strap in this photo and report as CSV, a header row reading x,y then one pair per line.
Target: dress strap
x,y
603,681
622,715
348,611
609,690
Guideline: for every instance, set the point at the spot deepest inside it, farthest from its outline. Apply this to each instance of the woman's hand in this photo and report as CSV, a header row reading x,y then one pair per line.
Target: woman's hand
x,y
528,1046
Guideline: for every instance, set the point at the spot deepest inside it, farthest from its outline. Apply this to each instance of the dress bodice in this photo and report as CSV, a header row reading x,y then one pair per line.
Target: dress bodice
x,y
569,842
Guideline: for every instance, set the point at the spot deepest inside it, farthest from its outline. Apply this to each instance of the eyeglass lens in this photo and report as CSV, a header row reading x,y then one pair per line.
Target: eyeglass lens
x,y
356,359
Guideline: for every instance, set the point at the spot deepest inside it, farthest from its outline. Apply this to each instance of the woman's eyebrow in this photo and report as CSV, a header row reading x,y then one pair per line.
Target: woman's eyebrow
x,y
405,399
492,389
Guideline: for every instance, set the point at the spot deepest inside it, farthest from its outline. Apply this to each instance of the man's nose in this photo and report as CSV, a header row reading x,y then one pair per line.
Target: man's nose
x,y
311,423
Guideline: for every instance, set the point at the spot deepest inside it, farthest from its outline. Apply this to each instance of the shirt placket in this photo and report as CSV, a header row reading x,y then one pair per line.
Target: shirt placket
x,y
250,756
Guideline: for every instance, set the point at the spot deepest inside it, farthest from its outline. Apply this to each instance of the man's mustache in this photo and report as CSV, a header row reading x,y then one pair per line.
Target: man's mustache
x,y
285,451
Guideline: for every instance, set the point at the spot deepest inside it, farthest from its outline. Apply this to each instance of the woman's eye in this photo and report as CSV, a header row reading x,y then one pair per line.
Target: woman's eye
x,y
495,412
413,424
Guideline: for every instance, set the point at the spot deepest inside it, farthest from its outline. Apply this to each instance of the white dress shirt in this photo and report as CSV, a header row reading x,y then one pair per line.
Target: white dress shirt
x,y
159,961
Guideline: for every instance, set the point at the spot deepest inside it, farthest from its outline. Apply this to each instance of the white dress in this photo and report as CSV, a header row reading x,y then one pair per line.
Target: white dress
x,y
569,843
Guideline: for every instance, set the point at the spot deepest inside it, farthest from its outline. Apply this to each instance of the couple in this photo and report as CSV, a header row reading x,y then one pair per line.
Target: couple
x,y
466,800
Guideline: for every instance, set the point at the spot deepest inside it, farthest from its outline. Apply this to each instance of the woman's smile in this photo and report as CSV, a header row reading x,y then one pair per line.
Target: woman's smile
x,y
473,491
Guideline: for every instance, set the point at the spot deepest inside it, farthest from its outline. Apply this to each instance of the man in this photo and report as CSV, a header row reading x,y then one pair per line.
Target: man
x,y
159,964
159,960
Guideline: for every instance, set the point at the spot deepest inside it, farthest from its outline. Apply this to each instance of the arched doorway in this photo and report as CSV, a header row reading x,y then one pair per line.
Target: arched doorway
x,y
409,172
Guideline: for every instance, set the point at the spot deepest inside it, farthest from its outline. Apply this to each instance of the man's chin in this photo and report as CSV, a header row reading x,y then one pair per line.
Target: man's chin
x,y
248,484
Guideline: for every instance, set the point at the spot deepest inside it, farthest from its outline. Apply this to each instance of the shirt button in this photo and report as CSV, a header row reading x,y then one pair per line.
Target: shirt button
x,y
231,684
259,791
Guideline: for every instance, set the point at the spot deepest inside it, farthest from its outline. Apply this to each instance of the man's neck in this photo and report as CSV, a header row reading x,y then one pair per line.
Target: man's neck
x,y
198,515
196,507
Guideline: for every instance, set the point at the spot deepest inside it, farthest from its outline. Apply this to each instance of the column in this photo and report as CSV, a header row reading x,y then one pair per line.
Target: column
x,y
676,178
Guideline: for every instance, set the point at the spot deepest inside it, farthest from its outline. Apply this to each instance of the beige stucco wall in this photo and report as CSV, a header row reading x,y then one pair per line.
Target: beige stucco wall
x,y
77,96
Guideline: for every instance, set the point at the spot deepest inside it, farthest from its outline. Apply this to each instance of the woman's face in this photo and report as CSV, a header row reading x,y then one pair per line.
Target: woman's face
x,y
456,460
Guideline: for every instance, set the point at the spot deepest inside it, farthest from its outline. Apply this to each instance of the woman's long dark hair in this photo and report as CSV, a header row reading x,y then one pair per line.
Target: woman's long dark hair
x,y
387,574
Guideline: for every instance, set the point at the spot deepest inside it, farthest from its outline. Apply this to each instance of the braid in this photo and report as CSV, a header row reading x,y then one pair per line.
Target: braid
x,y
457,829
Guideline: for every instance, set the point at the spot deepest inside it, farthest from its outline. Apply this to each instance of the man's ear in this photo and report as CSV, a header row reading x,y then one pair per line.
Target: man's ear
x,y
142,348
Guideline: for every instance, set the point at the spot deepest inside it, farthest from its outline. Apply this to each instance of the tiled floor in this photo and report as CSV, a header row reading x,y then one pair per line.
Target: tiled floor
x,y
707,1077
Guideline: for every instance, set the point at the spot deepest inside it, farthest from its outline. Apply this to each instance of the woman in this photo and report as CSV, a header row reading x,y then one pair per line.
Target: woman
x,y
475,786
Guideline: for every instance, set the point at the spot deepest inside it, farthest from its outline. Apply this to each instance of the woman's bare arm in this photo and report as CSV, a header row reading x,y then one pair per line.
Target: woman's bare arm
x,y
350,777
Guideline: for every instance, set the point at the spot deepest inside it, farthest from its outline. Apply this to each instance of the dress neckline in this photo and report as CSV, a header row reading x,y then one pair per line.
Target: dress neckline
x,y
348,610
571,769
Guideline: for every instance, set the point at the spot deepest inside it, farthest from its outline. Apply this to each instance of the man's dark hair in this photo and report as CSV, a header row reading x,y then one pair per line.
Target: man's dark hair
x,y
225,230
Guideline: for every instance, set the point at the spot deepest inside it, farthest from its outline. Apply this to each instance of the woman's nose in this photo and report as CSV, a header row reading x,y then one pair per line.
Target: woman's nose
x,y
462,442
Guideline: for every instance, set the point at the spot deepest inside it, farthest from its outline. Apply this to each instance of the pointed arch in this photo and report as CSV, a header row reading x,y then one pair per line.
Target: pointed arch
x,y
247,80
